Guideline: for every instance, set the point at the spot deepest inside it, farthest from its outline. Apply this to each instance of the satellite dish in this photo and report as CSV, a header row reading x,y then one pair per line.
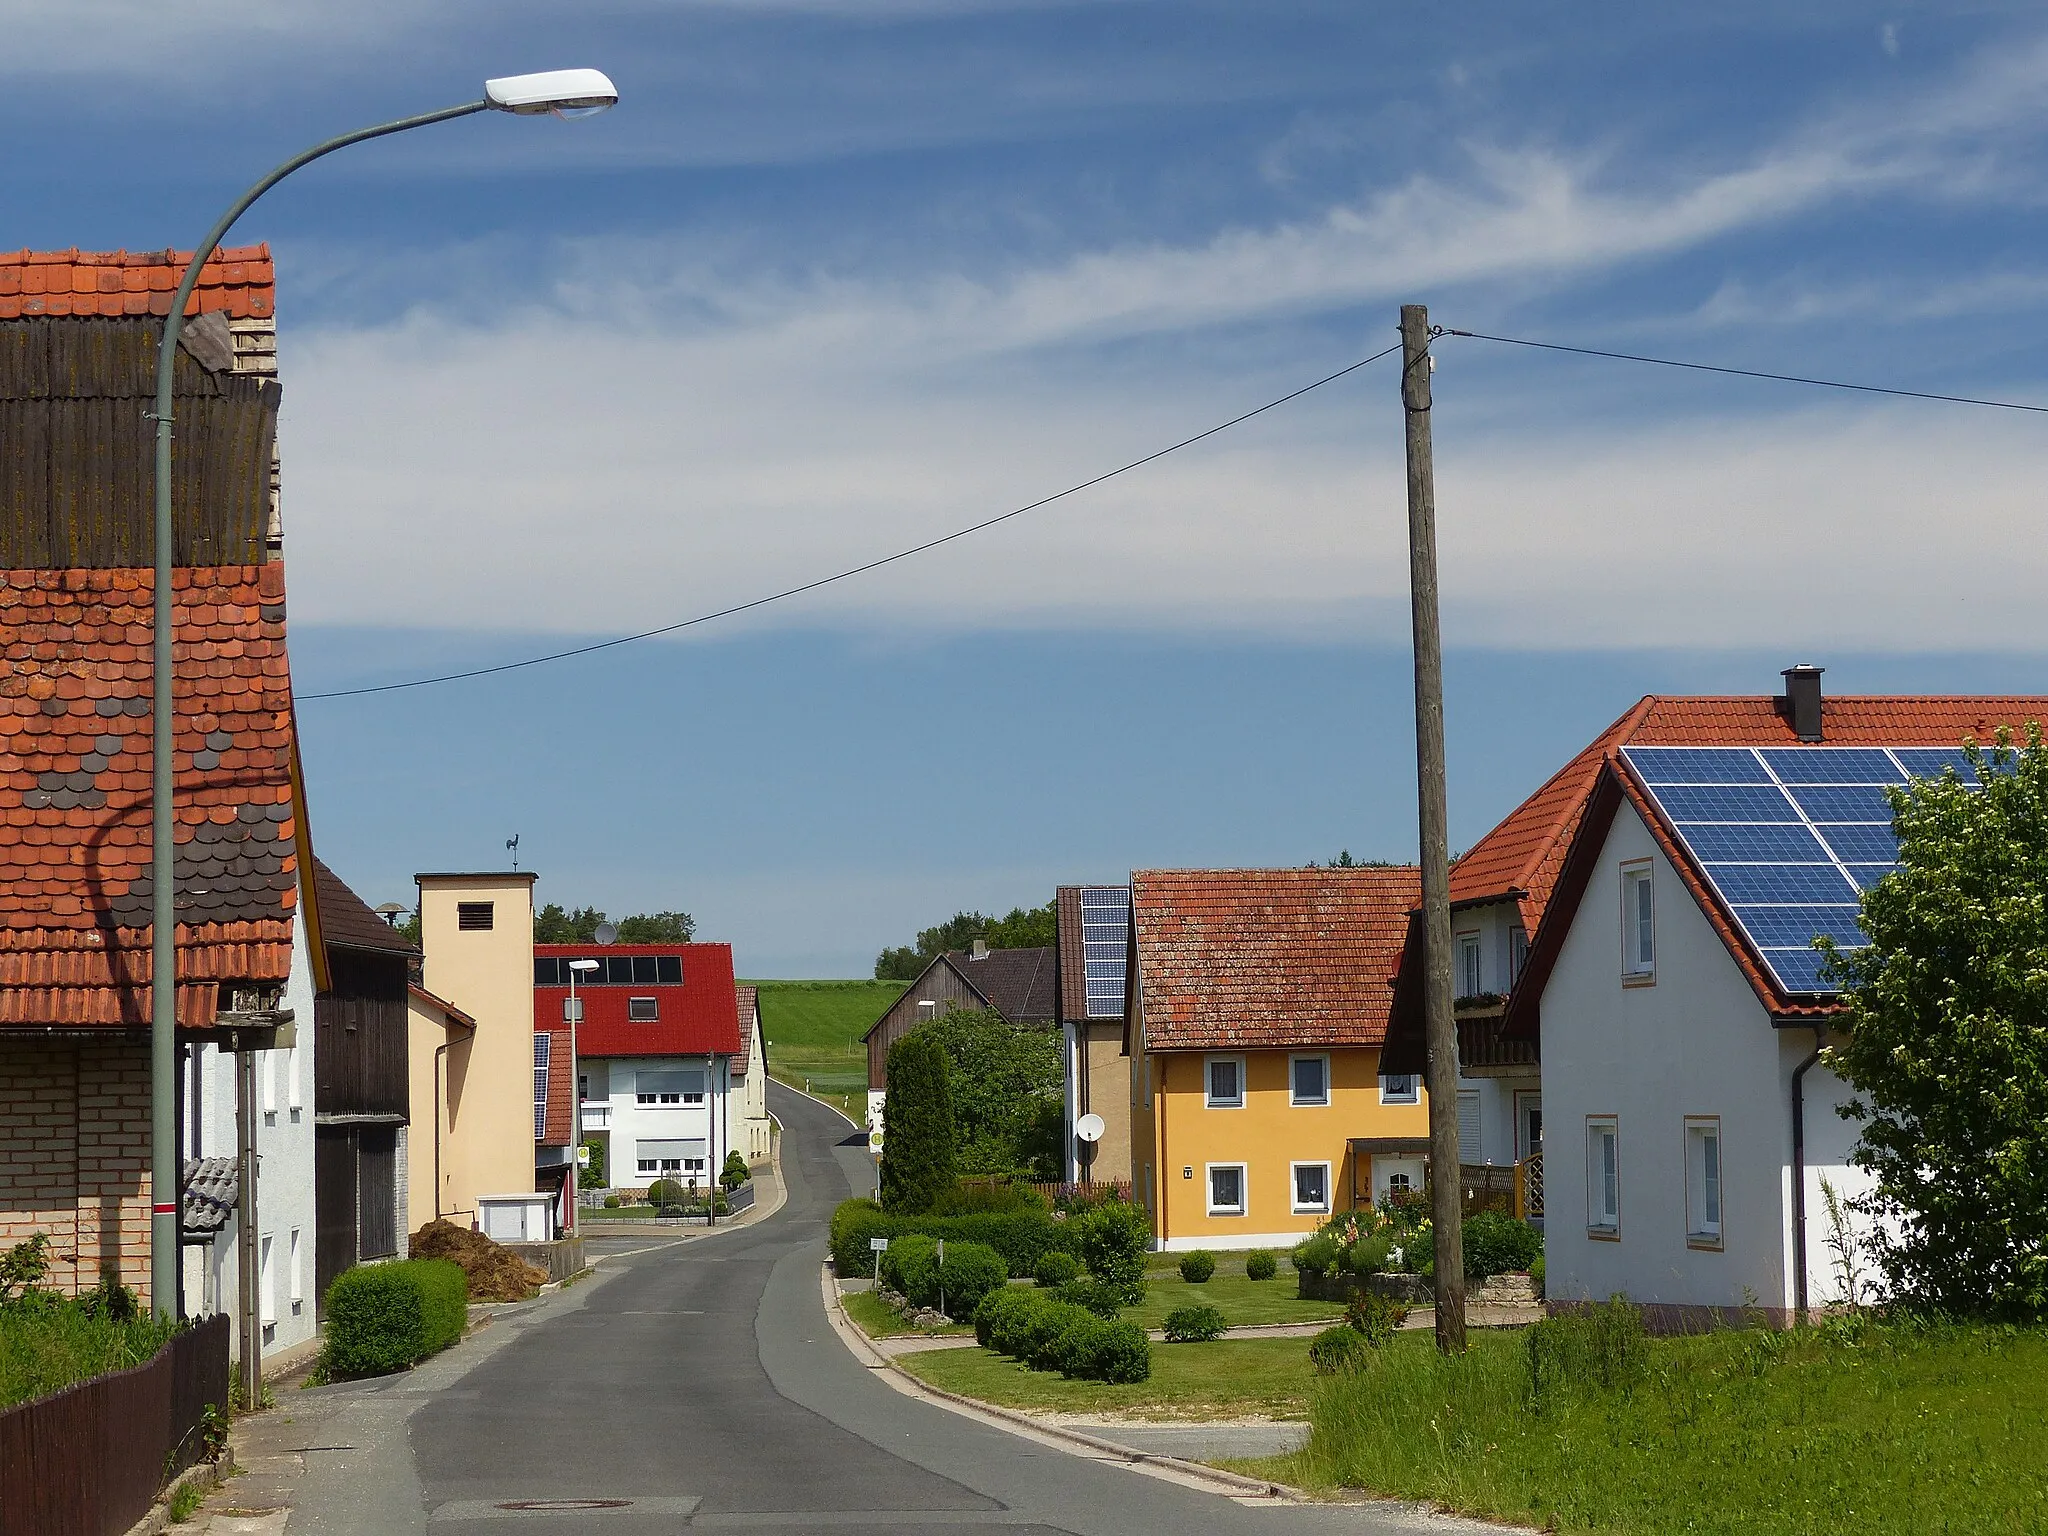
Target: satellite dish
x,y
1089,1128
607,933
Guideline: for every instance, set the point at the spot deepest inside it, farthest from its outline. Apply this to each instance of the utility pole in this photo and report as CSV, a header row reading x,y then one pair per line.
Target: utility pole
x,y
249,1300
1441,1075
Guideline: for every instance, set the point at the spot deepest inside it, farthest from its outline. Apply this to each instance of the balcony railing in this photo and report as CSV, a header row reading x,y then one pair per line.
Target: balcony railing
x,y
597,1117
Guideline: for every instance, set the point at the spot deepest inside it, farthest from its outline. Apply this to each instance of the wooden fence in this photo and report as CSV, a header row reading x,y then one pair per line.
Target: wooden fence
x,y
89,1461
1052,1190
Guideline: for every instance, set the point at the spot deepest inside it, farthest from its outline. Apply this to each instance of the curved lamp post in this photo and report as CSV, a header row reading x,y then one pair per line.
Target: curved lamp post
x,y
563,92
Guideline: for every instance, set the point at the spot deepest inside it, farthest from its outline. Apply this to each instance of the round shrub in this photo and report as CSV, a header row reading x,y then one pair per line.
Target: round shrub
x,y
969,1272
1259,1265
1191,1325
1091,1295
1498,1245
611,1202
910,1265
1000,1315
1055,1268
1116,1352
1338,1351
1045,1326
1197,1267
664,1192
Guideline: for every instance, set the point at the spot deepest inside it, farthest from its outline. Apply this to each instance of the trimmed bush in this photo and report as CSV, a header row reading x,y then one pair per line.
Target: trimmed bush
x,y
1055,1268
1369,1255
664,1192
1190,1325
1197,1267
386,1317
1114,1239
984,1199
1260,1265
1000,1315
1111,1351
1091,1295
1052,1335
611,1202
1338,1351
1021,1237
969,1272
911,1267
1499,1245
735,1172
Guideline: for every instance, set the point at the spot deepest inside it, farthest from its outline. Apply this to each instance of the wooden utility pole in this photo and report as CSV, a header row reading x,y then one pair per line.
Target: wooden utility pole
x,y
249,1274
1441,1076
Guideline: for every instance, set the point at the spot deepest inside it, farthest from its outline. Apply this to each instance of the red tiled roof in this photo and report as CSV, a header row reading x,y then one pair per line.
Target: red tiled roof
x,y
557,1126
1268,957
699,1017
237,280
748,1001
75,791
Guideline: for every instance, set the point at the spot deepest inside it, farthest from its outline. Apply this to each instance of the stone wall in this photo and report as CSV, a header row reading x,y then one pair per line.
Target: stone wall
x,y
74,1157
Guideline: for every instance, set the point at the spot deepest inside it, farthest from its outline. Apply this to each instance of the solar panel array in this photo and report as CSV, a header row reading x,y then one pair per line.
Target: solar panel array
x,y
1105,947
1789,837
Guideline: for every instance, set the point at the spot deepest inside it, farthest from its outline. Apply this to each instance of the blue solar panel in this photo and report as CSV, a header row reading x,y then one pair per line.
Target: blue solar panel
x,y
1832,765
1727,802
1802,883
1867,875
1696,765
1797,927
1113,950
1770,842
1844,803
1932,762
1798,970
1861,843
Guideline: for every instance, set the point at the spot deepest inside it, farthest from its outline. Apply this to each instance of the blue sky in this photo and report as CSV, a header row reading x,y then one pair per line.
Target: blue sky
x,y
840,276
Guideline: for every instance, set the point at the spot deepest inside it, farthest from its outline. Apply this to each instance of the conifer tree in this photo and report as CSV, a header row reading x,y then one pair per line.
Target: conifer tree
x,y
917,1126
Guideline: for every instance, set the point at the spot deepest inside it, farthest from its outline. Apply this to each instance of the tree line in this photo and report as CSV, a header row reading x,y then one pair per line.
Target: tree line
x,y
1024,928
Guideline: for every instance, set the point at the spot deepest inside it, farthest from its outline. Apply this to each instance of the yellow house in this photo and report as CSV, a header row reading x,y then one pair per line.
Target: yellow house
x,y
1260,1004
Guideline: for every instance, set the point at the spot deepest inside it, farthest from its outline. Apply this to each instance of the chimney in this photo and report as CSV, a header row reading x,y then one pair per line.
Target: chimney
x,y
980,950
1801,703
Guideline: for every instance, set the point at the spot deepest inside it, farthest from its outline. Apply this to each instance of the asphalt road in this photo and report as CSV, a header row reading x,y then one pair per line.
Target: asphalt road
x,y
701,1386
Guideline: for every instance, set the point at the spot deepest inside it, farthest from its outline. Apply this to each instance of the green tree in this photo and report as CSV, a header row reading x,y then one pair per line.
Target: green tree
x,y
1022,929
657,928
1037,928
917,1126
1947,1047
553,925
593,1171
1004,1077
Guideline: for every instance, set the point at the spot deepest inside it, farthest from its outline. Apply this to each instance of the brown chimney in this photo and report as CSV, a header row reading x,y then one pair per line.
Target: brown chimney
x,y
1801,701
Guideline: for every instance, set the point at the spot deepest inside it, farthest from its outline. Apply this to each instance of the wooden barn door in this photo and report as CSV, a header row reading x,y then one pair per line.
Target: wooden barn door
x,y
334,1206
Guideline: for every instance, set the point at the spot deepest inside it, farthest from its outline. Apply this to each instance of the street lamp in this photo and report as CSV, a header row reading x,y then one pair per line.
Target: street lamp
x,y
572,1015
563,92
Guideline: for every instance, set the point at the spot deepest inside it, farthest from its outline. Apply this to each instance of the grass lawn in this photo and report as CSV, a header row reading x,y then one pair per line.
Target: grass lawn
x,y
45,1349
1231,1378
1241,1301
1889,1431
878,1322
814,1030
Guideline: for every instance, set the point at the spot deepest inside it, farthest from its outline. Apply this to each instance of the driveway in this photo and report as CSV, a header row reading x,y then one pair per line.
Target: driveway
x,y
700,1385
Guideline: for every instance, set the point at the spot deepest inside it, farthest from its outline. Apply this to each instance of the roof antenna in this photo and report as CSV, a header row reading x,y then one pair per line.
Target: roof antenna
x,y
512,845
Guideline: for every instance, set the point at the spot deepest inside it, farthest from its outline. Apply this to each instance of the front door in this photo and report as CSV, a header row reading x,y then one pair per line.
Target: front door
x,y
1395,1173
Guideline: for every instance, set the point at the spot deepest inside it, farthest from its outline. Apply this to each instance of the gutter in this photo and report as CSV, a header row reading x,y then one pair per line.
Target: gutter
x,y
1799,1296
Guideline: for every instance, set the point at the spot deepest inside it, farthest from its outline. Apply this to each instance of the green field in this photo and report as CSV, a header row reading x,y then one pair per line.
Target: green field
x,y
814,1030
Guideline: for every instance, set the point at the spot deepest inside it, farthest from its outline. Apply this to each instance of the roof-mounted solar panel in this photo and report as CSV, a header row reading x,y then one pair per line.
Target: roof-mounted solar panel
x,y
1697,765
1831,765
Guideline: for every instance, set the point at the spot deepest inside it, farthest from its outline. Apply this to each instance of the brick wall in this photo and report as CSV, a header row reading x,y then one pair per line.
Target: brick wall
x,y
74,1157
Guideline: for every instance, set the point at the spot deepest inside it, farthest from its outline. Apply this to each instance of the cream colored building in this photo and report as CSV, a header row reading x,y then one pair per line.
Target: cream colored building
x,y
472,1051
752,1131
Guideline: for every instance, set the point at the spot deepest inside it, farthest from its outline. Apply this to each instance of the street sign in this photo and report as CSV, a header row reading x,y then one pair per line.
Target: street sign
x,y
878,1245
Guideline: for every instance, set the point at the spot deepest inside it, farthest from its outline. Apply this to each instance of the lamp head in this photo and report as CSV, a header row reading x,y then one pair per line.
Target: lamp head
x,y
564,92
582,965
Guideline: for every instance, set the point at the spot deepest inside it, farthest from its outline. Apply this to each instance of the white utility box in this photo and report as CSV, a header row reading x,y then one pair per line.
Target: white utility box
x,y
517,1218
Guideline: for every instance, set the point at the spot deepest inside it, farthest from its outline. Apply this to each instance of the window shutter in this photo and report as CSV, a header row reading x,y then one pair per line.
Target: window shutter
x,y
1468,1127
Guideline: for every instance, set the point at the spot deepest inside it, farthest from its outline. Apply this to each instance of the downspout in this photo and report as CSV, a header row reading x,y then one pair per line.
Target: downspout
x,y
1799,1298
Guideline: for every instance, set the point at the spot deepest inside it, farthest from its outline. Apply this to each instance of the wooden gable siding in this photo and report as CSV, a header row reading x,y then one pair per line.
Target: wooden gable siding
x,y
78,455
360,1054
940,984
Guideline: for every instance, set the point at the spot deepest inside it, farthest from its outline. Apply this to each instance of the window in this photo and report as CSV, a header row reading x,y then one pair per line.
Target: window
x,y
541,1043
1518,953
1470,983
291,1078
475,916
643,1010
1226,1189
668,1087
267,1075
1225,1081
1471,1143
267,1285
1638,922
297,1293
1603,1176
1703,1182
612,971
582,1087
669,1158
1311,1187
1308,1080
1400,1088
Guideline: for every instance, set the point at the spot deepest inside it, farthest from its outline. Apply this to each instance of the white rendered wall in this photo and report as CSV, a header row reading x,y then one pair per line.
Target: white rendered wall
x,y
612,1082
1695,1043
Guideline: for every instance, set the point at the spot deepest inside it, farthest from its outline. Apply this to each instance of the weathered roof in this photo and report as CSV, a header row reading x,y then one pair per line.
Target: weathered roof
x,y
1073,966
1018,983
748,1001
75,889
237,280
211,1187
347,922
1268,957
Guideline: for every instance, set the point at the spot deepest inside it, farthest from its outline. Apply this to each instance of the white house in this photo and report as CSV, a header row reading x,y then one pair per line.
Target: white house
x,y
753,1133
1692,1134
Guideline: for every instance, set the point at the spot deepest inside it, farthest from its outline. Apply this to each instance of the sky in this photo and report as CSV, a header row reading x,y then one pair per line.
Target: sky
x,y
838,277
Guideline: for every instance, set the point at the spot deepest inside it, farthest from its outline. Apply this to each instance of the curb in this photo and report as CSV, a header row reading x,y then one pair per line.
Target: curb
x,y
209,1475
1229,1483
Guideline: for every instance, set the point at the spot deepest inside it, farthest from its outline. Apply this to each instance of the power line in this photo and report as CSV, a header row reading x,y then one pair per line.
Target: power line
x,y
1752,373
858,570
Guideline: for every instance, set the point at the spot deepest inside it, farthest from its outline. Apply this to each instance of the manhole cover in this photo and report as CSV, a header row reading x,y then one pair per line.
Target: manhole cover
x,y
536,1506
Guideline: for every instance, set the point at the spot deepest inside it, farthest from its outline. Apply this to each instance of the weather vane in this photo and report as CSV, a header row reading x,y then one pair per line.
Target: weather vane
x,y
512,846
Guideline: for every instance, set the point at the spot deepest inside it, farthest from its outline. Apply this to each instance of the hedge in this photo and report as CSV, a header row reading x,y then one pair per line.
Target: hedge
x,y
1019,1237
386,1317
1052,1335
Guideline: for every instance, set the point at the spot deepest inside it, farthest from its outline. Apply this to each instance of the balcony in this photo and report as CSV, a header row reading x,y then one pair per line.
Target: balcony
x,y
597,1117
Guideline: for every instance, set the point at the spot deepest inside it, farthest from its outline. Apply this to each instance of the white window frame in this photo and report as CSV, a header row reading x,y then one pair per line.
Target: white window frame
x,y
1209,1099
292,1097
297,1293
635,1007
1412,1096
647,1165
1637,877
1518,954
1321,1208
1293,1096
1244,1190
1471,964
1706,1190
1602,1220
266,1283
